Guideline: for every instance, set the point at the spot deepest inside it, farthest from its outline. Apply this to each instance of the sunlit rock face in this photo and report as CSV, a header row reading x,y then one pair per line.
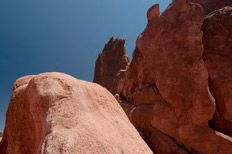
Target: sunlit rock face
x,y
217,40
54,113
212,5
165,91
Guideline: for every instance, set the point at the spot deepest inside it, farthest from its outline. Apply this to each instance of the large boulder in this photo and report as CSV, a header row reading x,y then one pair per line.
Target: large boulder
x,y
165,90
217,40
54,113
212,5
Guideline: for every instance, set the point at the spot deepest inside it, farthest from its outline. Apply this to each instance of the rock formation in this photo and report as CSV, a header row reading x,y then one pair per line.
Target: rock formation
x,y
165,90
177,92
112,63
54,113
217,40
3,144
212,5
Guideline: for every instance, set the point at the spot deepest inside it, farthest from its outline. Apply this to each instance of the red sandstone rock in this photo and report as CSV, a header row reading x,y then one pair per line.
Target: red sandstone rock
x,y
165,90
3,144
153,12
54,113
212,5
217,40
111,64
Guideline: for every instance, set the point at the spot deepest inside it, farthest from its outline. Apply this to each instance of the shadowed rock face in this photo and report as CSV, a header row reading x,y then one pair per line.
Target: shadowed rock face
x,y
165,90
111,64
217,42
212,5
54,113
3,144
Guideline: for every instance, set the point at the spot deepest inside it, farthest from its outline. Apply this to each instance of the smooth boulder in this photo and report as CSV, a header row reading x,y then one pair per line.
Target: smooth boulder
x,y
56,113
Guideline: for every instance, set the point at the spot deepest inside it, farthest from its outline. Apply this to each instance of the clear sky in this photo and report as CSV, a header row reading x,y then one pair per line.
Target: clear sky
x,y
62,36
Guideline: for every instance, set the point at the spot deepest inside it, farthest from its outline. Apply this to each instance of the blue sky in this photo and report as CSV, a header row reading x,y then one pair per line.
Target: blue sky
x,y
62,36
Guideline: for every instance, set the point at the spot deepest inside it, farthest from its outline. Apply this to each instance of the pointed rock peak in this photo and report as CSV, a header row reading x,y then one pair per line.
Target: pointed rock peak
x,y
115,42
153,12
111,62
111,39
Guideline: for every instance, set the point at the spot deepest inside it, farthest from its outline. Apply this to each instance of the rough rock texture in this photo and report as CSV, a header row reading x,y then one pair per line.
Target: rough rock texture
x,y
165,90
212,5
3,144
217,40
111,64
54,113
153,12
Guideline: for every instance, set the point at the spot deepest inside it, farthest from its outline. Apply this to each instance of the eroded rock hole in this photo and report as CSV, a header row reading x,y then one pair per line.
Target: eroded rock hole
x,y
211,124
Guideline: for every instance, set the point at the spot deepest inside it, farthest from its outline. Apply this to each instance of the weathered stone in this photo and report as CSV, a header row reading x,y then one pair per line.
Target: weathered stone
x,y
217,40
56,113
212,5
165,90
3,144
111,64
153,12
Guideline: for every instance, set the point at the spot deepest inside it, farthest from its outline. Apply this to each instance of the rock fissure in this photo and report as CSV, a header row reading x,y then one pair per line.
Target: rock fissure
x,y
179,145
218,54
